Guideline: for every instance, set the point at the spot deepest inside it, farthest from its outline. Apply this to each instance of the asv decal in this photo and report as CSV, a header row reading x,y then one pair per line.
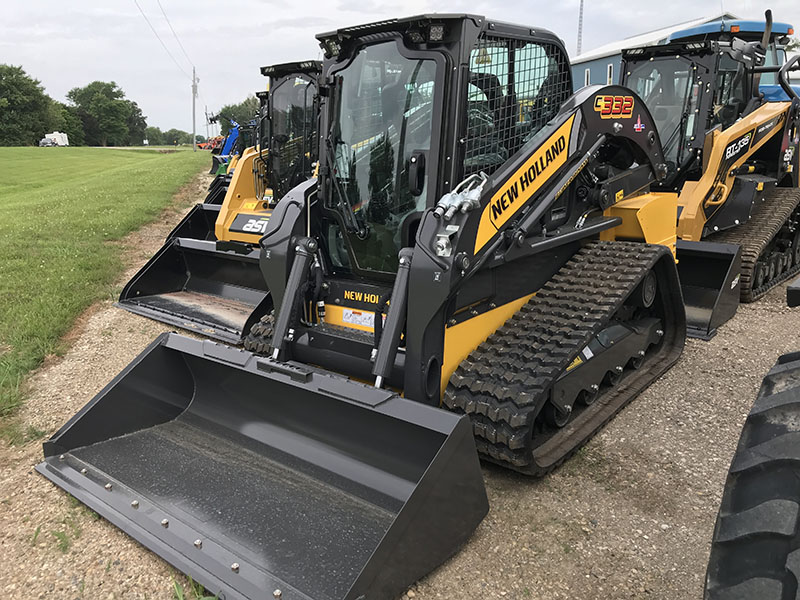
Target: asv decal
x,y
788,155
735,148
614,107
255,226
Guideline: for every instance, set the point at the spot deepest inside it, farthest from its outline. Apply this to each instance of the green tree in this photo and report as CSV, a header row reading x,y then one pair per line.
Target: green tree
x,y
65,119
26,112
104,112
137,124
154,136
177,136
200,138
794,44
241,113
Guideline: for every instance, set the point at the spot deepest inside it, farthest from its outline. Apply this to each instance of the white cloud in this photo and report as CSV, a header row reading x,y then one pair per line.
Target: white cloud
x,y
71,44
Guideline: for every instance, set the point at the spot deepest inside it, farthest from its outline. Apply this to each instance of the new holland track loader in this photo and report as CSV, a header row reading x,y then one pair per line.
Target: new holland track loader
x,y
731,151
206,277
440,286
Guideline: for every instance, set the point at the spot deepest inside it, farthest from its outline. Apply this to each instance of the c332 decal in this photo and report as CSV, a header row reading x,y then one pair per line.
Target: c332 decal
x,y
545,161
613,107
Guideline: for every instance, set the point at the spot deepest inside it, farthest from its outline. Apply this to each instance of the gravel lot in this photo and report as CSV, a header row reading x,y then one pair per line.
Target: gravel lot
x,y
629,517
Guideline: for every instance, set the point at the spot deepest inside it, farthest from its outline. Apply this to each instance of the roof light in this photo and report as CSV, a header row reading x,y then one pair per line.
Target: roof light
x,y
791,31
436,32
734,29
415,37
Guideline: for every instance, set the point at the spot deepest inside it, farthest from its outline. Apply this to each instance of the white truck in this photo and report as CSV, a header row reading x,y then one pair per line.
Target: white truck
x,y
54,139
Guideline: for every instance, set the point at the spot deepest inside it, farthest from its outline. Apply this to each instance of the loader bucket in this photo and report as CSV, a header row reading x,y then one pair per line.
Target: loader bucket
x,y
217,189
793,293
709,274
216,162
200,286
198,223
254,476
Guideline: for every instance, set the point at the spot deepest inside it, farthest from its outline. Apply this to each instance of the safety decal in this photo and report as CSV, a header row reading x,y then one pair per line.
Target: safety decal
x,y
614,107
512,195
638,127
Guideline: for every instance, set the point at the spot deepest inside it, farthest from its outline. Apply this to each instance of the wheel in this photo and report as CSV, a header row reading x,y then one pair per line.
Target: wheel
x,y
773,267
760,272
588,397
796,249
554,417
637,361
612,378
755,551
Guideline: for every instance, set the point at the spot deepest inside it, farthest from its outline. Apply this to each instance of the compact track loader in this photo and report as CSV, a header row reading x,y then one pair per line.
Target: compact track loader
x,y
440,286
731,153
206,277
246,137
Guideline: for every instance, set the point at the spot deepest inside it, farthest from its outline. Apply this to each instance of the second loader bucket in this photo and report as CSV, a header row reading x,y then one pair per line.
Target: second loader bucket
x,y
709,274
198,223
262,478
197,285
218,189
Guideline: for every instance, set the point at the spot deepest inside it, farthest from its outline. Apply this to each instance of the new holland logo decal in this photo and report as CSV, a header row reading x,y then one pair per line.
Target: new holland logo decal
x,y
545,161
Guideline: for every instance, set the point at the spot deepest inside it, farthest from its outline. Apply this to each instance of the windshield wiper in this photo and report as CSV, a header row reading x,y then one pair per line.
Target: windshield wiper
x,y
343,205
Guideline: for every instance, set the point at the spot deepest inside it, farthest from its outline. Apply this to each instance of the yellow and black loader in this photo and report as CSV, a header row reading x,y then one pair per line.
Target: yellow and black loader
x,y
456,279
206,276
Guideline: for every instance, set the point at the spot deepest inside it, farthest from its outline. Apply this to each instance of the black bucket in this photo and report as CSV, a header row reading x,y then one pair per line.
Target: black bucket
x,y
793,293
254,476
216,162
218,189
709,274
198,224
195,285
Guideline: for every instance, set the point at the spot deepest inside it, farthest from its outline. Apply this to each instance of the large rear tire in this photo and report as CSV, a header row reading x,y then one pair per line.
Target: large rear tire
x,y
755,552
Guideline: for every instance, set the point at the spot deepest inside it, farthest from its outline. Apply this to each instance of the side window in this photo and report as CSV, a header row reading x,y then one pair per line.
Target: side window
x,y
610,74
730,96
514,89
486,98
587,77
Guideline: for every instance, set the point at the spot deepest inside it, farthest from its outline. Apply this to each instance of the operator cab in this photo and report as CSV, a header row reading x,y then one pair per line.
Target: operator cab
x,y
702,78
395,91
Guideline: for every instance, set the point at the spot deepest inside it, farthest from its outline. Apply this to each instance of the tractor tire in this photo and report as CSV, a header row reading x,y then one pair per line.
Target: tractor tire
x,y
755,552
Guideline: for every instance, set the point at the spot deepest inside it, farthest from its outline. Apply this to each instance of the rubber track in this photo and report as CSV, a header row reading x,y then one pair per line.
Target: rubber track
x,y
503,384
755,551
259,338
764,224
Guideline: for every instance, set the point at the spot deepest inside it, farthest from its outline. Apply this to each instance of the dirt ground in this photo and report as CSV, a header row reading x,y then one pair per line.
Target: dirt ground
x,y
629,517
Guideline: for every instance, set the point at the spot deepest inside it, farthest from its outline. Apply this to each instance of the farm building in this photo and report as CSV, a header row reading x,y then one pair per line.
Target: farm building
x,y
601,65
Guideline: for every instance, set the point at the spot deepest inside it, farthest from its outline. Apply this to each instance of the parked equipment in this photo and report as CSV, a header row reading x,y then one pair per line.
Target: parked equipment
x,y
449,251
731,156
206,277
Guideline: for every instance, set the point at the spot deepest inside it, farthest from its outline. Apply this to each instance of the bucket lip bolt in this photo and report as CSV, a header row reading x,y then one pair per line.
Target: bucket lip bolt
x,y
165,523
235,567
277,594
198,543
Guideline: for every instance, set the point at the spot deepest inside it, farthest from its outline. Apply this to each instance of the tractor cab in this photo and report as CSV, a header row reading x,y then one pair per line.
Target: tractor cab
x,y
704,78
411,110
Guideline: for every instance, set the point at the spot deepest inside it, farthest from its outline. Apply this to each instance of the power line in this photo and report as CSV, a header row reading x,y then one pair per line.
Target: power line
x,y
173,33
163,45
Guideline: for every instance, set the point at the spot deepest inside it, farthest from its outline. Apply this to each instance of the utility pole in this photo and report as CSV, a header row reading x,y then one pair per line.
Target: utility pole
x,y
194,98
580,29
206,114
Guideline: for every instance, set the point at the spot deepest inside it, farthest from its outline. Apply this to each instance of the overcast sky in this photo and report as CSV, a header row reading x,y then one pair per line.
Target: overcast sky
x,y
68,44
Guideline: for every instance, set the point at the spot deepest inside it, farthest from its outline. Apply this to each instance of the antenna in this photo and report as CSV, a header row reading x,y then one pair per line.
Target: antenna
x,y
580,29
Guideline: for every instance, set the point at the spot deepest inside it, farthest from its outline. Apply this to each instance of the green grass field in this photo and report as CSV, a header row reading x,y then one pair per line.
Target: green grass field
x,y
59,209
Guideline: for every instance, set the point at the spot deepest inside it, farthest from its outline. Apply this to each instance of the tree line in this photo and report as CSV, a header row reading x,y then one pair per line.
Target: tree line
x,y
97,114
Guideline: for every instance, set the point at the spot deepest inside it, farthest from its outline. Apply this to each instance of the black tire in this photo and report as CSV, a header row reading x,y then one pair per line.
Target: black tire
x,y
259,339
755,552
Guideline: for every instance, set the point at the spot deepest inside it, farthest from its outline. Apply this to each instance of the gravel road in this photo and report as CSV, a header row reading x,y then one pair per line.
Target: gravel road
x,y
629,517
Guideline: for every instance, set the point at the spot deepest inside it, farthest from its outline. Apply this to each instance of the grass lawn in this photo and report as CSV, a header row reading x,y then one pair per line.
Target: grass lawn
x,y
59,208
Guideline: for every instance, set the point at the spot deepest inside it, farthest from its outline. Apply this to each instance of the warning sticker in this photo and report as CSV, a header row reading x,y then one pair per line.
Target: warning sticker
x,y
358,317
